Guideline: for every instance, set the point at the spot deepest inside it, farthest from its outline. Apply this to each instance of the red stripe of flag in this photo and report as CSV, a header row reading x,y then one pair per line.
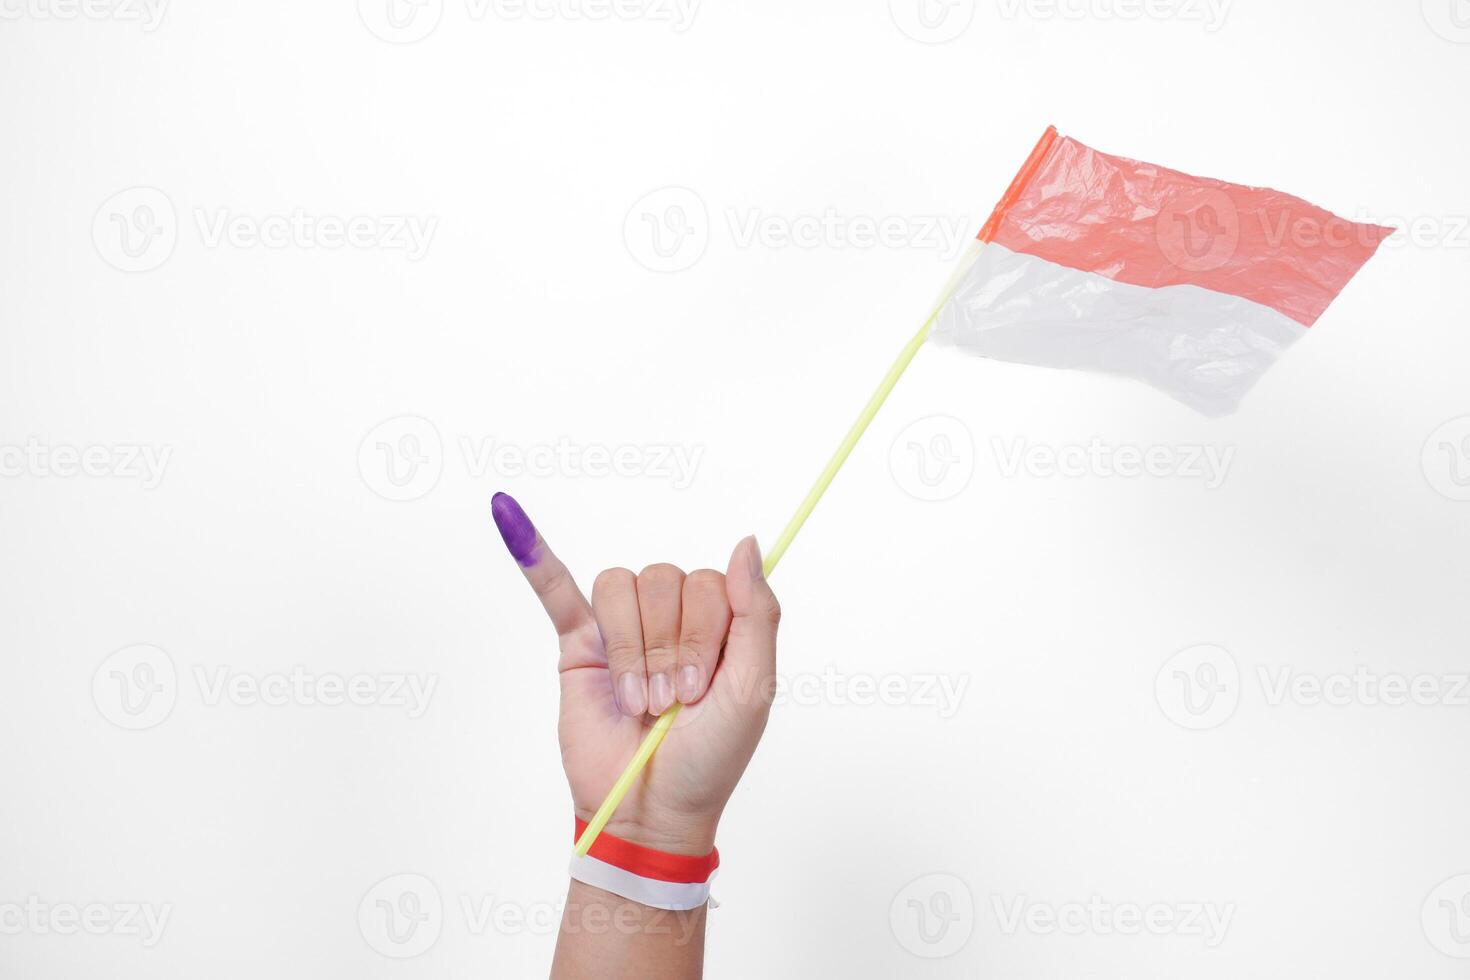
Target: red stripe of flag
x,y
1150,226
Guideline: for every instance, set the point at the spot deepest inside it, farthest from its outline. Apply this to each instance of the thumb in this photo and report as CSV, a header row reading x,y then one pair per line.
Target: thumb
x,y
750,652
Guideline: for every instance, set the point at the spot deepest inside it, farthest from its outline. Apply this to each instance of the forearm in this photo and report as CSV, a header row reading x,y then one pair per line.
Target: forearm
x,y
606,937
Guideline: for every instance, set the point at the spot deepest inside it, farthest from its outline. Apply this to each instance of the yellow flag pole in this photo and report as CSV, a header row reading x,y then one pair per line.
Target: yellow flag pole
x,y
829,472
783,541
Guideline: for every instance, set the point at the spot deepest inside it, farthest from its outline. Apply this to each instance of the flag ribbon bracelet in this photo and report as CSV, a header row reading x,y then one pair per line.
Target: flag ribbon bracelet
x,y
658,879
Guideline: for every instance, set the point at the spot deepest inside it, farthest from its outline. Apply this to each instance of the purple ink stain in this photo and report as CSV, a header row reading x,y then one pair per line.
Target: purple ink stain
x,y
515,528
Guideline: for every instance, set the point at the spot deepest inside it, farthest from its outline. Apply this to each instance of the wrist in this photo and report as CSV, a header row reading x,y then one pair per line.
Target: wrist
x,y
681,834
645,874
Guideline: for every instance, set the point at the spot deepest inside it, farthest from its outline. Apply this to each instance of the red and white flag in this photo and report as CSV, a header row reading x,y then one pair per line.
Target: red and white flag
x,y
1192,285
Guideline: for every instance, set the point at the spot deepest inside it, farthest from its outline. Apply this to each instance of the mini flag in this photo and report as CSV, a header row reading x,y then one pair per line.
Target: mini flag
x,y
1101,263
1192,285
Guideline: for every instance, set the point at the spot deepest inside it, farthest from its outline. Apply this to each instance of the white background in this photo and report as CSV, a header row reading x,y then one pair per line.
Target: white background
x,y
1072,770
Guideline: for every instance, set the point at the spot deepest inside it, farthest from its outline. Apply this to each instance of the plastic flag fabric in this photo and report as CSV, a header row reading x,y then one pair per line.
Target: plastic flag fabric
x,y
1192,285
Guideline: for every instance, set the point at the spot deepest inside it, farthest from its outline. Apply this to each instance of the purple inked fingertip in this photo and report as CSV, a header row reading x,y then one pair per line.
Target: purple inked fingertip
x,y
515,529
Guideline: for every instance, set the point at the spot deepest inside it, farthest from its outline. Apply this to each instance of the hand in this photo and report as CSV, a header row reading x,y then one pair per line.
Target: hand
x,y
643,642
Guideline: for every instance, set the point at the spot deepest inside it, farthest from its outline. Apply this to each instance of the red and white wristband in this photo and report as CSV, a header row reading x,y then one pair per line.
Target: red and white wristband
x,y
654,878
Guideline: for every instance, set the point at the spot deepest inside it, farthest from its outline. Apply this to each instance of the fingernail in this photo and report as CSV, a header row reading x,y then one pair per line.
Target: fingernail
x,y
660,694
757,572
516,529
630,695
688,683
